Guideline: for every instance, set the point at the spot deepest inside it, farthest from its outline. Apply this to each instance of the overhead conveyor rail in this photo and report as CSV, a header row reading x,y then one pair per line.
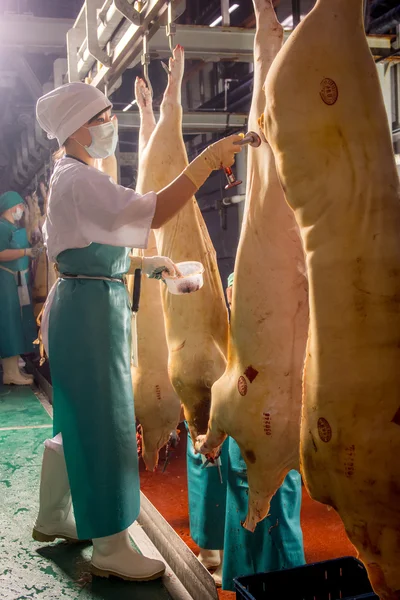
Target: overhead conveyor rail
x,y
193,122
108,37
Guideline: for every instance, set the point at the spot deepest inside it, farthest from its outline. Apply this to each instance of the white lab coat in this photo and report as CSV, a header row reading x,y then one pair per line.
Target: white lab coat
x,y
86,206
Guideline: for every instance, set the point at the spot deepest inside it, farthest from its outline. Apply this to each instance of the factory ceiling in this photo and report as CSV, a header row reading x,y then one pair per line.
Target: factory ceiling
x,y
27,54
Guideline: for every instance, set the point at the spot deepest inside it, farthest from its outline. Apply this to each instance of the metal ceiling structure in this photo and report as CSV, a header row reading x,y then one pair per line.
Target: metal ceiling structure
x,y
108,38
112,35
193,123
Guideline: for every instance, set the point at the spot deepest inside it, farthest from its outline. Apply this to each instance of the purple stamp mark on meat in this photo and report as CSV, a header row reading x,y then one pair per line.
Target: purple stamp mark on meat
x,y
267,423
251,373
242,386
396,418
324,430
350,452
329,91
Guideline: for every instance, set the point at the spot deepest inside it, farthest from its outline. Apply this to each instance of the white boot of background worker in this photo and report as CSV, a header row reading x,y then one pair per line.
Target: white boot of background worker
x,y
92,224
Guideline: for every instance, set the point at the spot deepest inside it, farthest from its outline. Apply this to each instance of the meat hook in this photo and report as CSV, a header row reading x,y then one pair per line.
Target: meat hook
x,y
171,27
145,60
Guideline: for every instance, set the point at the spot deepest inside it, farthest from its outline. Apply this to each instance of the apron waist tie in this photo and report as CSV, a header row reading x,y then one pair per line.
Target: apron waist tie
x,y
14,272
99,278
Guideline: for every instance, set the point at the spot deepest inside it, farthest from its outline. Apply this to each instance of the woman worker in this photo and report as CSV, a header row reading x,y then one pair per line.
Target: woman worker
x,y
277,542
17,323
92,223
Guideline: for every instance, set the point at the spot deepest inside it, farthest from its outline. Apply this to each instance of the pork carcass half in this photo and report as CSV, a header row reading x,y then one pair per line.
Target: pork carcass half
x,y
34,222
51,268
157,406
196,324
326,121
258,399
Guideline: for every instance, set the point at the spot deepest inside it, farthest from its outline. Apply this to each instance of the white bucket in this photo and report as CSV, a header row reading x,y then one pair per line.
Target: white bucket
x,y
191,281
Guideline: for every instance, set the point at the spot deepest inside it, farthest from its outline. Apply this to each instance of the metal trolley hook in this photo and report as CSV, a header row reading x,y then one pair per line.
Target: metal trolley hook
x,y
145,60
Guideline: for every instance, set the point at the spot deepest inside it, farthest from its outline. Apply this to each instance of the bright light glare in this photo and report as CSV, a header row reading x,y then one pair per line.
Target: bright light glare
x,y
129,106
287,24
231,9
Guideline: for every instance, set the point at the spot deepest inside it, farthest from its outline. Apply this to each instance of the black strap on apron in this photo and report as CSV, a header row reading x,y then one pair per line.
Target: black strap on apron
x,y
137,285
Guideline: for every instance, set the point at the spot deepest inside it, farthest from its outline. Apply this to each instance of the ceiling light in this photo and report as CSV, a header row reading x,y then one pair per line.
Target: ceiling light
x,y
231,9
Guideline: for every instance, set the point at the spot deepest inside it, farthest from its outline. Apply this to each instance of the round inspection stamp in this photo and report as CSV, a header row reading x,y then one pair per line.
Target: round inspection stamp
x,y
324,430
329,91
242,386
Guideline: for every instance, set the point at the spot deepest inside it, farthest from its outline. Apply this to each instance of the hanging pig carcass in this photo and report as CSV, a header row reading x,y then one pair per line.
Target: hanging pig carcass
x,y
326,121
258,400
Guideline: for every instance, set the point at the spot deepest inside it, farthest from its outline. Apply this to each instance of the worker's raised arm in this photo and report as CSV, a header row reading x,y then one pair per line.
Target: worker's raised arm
x,y
173,198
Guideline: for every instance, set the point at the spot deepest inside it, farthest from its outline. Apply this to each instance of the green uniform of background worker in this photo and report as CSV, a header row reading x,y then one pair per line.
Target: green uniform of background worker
x,y
91,225
17,323
207,505
277,542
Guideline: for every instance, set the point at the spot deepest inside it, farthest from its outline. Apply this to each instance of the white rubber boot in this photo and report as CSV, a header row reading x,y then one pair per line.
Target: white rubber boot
x,y
217,575
55,518
210,559
114,555
12,374
25,374
21,366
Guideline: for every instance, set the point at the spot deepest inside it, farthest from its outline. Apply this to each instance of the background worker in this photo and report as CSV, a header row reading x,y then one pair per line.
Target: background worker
x,y
17,323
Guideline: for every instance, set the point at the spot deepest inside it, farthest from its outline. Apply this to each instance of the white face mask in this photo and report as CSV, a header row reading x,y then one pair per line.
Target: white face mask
x,y
104,140
18,214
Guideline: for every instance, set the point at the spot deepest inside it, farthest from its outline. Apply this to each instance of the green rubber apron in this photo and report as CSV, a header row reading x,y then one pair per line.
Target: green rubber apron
x,y
17,322
277,542
89,350
207,498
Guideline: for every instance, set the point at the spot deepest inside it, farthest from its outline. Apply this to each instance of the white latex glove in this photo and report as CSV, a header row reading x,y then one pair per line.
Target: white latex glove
x,y
159,267
34,252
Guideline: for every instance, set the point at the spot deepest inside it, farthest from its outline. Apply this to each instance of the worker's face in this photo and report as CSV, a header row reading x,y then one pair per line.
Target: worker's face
x,y
82,136
18,211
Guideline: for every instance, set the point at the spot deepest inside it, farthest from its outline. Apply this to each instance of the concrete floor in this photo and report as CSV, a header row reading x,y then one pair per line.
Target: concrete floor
x,y
30,570
324,534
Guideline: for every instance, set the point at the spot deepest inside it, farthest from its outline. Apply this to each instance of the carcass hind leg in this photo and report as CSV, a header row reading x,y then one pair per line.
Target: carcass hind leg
x,y
173,92
147,118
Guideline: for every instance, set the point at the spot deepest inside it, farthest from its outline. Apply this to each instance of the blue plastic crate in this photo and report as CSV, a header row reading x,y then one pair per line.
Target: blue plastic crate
x,y
342,578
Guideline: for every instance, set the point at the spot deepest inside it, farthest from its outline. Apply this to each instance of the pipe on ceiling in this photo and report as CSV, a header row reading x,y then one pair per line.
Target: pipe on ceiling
x,y
240,103
386,22
233,94
296,11
379,7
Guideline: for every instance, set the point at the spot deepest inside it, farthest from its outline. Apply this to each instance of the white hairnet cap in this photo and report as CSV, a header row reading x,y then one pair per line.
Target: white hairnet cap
x,y
64,110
